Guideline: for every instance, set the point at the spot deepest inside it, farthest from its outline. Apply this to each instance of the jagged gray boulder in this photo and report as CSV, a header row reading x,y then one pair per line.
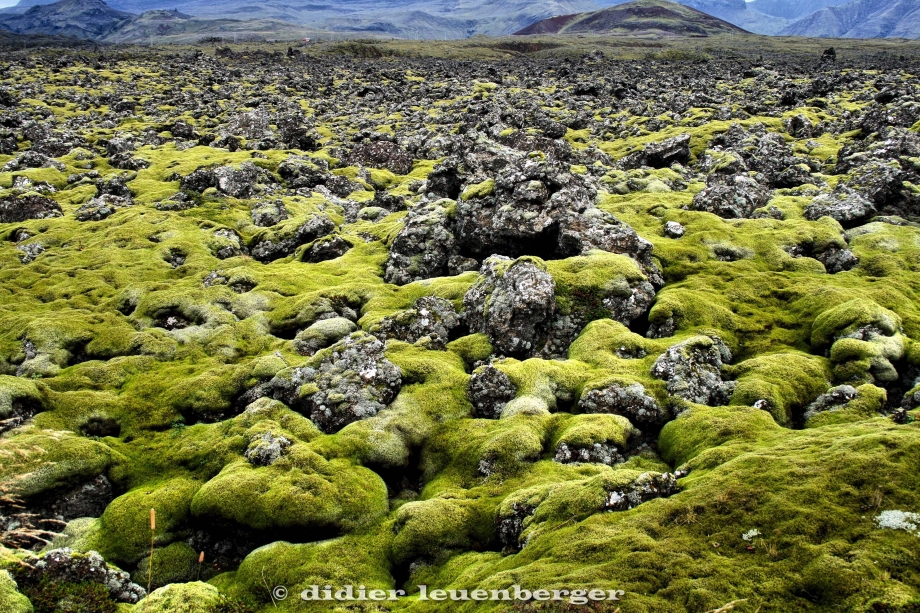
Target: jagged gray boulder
x,y
881,183
512,302
266,449
68,566
241,182
32,159
596,229
776,163
304,172
838,260
510,525
353,381
381,154
522,210
734,197
252,125
237,182
267,214
30,251
430,317
630,401
692,370
596,453
673,229
275,245
227,244
846,206
675,150
646,487
490,390
833,399
16,209
326,248
424,246
101,207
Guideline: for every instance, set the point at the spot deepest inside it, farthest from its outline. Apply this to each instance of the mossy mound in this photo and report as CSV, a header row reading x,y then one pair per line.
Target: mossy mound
x,y
10,598
192,597
303,491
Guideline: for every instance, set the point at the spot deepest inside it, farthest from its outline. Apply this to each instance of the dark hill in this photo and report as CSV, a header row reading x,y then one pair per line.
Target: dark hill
x,y
91,19
642,16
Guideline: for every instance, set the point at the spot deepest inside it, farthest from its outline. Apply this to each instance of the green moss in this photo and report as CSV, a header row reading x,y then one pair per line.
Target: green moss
x,y
468,451
479,190
525,405
11,601
175,563
567,503
79,534
93,308
718,504
427,527
18,391
38,462
382,179
706,428
125,525
787,381
583,282
350,560
49,596
585,430
870,400
193,597
301,490
325,332
472,348
847,317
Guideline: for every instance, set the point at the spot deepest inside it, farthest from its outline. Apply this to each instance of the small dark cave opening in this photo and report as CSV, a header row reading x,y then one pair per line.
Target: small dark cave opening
x,y
286,331
908,377
641,324
458,331
174,318
100,426
226,543
544,246
24,409
78,353
399,479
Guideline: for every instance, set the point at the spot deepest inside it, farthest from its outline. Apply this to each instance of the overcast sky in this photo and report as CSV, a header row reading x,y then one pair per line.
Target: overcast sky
x,y
4,3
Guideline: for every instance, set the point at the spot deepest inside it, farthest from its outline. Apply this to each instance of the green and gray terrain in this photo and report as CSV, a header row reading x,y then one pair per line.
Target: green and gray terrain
x,y
465,315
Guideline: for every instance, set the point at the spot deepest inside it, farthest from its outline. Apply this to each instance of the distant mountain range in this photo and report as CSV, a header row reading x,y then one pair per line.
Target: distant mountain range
x,y
95,20
432,19
862,19
135,20
660,17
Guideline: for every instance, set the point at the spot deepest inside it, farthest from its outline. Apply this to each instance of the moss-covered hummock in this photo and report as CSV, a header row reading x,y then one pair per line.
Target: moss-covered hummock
x,y
194,597
10,598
